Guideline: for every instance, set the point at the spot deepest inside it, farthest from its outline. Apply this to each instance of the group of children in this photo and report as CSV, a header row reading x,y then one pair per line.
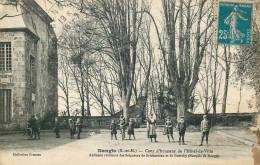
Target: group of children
x,y
151,129
75,127
168,129
122,124
181,128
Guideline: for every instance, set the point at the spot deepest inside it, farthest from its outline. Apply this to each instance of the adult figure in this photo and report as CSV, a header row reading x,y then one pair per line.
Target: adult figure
x,y
151,125
232,20
204,127
181,129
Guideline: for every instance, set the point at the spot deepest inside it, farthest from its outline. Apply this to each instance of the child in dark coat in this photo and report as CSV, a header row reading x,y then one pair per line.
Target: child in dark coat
x,y
113,129
37,128
131,128
181,130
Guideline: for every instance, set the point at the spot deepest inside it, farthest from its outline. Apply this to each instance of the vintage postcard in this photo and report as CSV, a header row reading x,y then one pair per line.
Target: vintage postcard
x,y
145,82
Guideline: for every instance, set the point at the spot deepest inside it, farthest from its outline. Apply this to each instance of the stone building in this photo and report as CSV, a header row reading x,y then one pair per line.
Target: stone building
x,y
28,64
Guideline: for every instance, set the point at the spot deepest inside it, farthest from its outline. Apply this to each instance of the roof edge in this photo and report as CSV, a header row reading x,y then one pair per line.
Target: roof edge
x,y
22,29
34,6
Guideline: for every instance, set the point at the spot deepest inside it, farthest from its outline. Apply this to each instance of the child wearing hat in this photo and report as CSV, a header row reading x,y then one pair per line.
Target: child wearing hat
x,y
204,129
181,129
113,129
131,128
169,128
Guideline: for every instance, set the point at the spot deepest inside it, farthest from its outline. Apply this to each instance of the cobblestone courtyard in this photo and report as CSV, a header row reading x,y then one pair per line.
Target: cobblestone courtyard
x,y
96,148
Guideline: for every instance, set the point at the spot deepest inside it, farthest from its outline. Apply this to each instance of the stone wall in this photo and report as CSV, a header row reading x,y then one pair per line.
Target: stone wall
x,y
90,122
46,63
15,79
37,39
94,121
228,119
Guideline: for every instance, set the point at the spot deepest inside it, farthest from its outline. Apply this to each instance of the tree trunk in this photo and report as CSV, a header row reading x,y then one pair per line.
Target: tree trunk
x,y
67,106
82,89
67,95
214,99
181,107
125,109
227,61
100,90
240,95
183,60
88,104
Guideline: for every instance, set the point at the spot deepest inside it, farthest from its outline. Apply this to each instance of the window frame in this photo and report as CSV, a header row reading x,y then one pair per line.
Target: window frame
x,y
5,57
5,120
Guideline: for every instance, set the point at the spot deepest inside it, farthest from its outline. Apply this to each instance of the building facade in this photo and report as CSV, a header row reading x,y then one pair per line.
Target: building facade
x,y
28,64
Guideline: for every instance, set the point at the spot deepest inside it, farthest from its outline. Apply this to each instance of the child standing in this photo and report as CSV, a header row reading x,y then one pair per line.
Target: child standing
x,y
78,127
131,128
72,128
204,129
37,128
113,129
151,128
181,130
31,126
169,128
56,128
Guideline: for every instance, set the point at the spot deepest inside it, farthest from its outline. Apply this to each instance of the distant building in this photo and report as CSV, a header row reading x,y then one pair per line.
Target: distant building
x,y
28,63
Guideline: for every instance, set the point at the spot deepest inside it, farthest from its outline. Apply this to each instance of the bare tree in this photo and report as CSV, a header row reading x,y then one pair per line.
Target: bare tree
x,y
102,84
208,88
144,60
215,78
121,25
205,97
64,80
227,56
248,58
78,43
187,25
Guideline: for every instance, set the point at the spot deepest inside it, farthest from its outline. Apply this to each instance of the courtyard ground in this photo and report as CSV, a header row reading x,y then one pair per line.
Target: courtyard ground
x,y
98,148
